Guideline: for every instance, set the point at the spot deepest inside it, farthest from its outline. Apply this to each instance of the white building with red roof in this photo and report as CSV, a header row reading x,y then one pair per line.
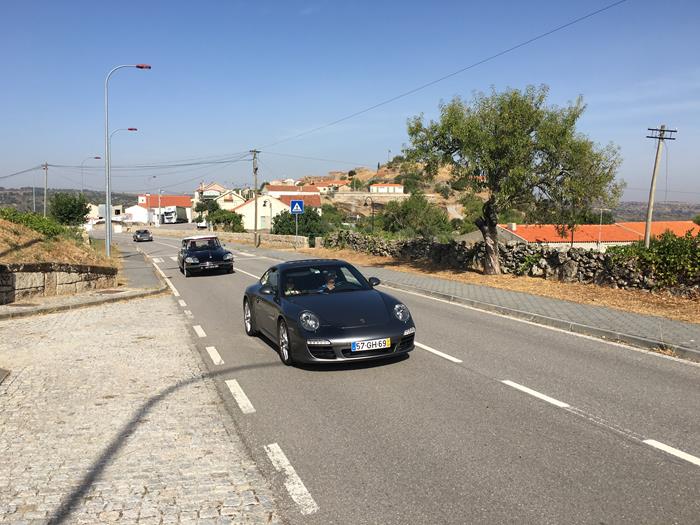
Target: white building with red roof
x,y
268,208
386,188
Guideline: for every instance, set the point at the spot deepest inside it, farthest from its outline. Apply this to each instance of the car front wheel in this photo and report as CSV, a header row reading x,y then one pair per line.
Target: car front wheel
x,y
248,322
186,271
284,345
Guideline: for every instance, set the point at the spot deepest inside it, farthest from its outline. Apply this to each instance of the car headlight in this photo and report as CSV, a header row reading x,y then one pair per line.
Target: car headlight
x,y
191,260
401,312
309,321
228,256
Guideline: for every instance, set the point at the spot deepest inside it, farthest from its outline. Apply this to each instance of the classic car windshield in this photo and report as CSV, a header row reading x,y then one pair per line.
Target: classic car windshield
x,y
197,245
315,279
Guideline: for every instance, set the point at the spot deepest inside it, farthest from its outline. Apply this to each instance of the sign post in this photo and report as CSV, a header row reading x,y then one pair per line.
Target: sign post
x,y
297,208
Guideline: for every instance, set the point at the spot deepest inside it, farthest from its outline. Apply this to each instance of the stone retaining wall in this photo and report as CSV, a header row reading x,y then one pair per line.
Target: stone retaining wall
x,y
573,265
21,281
267,240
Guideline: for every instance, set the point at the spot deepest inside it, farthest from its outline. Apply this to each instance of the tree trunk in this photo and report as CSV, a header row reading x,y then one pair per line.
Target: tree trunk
x,y
487,226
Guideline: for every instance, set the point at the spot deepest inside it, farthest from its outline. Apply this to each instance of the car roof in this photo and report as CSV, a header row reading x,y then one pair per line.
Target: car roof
x,y
199,237
306,262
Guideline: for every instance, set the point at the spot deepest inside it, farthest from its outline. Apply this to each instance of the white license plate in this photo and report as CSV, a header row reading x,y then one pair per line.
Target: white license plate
x,y
374,344
210,265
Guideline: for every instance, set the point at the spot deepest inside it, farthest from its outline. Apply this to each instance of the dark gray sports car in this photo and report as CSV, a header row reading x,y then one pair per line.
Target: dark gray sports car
x,y
323,311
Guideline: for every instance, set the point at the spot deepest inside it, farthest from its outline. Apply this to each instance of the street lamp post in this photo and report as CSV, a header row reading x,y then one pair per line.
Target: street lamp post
x,y
108,183
600,224
108,204
372,208
82,172
160,213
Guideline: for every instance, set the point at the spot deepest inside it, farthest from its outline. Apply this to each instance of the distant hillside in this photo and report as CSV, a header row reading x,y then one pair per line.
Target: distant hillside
x,y
663,211
21,198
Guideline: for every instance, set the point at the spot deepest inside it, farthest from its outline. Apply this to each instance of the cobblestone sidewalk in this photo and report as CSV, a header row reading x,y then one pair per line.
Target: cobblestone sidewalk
x,y
106,417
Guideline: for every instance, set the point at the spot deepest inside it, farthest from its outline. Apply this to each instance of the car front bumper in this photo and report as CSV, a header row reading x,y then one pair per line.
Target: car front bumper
x,y
209,266
339,348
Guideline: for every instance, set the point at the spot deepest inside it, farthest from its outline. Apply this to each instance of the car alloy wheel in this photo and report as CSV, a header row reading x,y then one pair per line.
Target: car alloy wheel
x,y
284,346
248,319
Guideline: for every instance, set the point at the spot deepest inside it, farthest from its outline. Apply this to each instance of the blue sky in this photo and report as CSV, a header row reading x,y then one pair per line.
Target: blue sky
x,y
232,75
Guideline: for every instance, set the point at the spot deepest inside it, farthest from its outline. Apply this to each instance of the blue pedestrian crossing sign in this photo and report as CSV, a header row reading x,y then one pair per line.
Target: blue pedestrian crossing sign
x,y
297,207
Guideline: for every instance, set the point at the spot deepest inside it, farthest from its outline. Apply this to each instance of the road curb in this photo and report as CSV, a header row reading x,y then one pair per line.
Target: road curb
x,y
94,301
569,326
3,374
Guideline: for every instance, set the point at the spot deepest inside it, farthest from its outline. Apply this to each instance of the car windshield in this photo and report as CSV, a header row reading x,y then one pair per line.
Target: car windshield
x,y
142,231
198,245
320,279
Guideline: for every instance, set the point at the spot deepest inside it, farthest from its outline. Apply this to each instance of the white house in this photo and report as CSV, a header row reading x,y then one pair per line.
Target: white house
x,y
268,208
137,214
386,188
279,191
330,186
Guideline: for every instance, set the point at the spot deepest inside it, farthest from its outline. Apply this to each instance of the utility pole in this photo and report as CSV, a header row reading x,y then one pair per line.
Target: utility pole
x,y
34,192
255,194
46,184
660,134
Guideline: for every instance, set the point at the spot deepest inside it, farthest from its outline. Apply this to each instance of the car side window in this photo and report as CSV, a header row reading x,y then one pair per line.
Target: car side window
x,y
273,279
264,278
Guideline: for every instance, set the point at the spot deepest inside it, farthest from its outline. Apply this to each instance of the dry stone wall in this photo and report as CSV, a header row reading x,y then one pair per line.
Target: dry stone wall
x,y
573,265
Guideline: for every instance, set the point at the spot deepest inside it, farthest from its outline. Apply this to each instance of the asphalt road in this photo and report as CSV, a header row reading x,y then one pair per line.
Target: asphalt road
x,y
443,439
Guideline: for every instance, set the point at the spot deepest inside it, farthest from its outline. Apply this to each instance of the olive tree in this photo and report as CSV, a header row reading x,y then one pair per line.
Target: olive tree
x,y
523,154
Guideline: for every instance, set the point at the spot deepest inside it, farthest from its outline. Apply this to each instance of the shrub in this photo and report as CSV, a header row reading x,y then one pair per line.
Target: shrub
x,y
228,220
68,209
670,260
44,225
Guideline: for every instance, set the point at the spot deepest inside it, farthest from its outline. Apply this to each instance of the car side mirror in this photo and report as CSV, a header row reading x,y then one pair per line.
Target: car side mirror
x,y
374,281
266,289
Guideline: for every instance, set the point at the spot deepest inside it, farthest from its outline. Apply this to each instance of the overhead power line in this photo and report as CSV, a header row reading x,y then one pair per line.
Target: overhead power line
x,y
450,75
21,172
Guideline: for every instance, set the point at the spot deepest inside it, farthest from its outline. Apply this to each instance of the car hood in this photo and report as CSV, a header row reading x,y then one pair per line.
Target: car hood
x,y
346,309
204,255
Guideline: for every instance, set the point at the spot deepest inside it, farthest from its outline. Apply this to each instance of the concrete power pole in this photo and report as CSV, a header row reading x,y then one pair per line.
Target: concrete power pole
x,y
660,134
46,184
255,194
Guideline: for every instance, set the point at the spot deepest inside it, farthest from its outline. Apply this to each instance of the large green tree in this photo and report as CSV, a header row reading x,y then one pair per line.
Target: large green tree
x,y
415,217
69,209
522,153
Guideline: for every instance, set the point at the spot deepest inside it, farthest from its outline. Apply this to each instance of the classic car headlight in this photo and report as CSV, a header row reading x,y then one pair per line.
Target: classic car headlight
x,y
191,260
401,312
309,321
228,256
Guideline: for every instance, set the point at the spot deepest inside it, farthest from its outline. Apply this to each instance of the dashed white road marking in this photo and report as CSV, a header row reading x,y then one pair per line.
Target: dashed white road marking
x,y
292,481
182,303
237,392
199,331
188,313
215,357
535,393
157,260
438,353
246,254
167,281
243,271
173,258
673,451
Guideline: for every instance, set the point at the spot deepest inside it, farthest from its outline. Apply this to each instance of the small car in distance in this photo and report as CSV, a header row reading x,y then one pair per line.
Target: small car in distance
x,y
142,235
203,253
202,225
326,311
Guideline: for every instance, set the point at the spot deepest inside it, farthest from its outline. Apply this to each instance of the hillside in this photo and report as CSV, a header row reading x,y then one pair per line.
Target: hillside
x,y
663,211
19,244
21,198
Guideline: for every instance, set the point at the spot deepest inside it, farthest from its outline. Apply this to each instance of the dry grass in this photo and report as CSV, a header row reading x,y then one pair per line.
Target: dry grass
x,y
637,301
19,244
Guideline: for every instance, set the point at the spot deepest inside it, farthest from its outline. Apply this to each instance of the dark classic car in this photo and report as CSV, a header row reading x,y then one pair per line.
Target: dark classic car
x,y
142,235
325,311
203,253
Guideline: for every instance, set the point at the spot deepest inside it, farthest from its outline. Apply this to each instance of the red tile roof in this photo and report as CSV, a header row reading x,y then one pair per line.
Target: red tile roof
x,y
271,187
166,200
313,201
618,232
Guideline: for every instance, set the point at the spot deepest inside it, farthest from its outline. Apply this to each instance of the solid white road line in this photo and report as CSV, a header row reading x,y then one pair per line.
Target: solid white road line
x,y
673,451
292,481
438,353
243,271
173,258
182,303
215,357
246,254
157,259
535,393
167,281
199,331
237,392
